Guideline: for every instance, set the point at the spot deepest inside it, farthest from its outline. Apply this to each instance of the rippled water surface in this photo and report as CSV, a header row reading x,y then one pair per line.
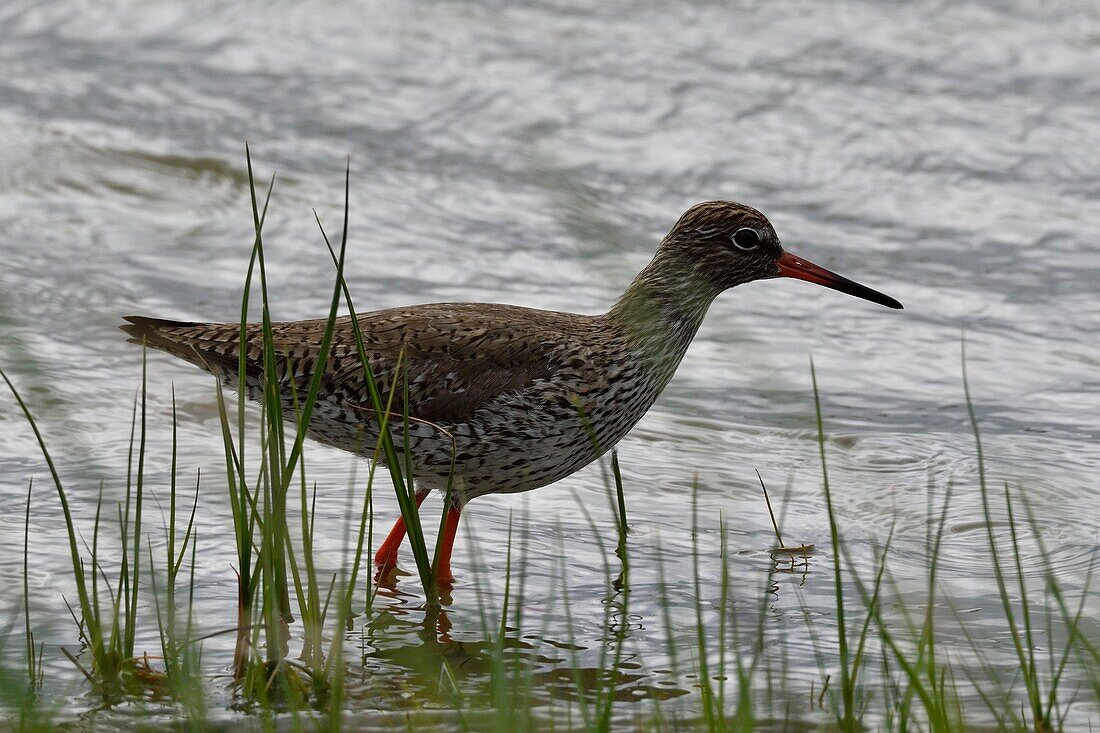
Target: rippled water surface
x,y
535,153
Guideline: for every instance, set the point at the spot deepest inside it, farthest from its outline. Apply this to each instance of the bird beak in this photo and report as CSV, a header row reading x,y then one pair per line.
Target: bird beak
x,y
796,267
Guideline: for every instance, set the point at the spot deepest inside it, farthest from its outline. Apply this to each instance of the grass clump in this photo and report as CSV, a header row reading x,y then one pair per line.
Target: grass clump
x,y
107,633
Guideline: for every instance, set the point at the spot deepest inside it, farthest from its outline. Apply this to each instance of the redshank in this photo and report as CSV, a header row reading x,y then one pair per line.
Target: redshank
x,y
527,396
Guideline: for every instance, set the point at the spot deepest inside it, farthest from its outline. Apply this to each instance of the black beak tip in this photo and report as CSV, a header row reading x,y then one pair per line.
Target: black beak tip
x,y
876,297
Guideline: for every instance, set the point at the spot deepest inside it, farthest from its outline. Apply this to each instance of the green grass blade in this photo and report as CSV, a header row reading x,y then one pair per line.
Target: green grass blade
x,y
848,718
95,640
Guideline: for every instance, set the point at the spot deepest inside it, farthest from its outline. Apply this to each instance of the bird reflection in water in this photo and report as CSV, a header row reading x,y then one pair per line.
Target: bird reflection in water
x,y
408,647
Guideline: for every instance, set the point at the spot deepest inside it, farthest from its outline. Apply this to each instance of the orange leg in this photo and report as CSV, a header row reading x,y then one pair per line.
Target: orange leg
x,y
386,557
443,573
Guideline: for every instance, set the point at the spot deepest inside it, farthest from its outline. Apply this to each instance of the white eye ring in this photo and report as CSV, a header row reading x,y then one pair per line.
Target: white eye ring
x,y
745,238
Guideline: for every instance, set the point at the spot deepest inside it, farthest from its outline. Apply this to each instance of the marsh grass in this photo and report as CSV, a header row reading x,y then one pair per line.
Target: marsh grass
x,y
297,622
107,634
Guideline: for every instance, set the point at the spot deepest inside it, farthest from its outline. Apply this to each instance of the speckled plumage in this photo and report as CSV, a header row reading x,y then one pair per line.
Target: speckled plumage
x,y
528,396
504,382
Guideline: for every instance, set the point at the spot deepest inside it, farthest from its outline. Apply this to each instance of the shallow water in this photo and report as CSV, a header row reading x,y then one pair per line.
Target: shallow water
x,y
531,153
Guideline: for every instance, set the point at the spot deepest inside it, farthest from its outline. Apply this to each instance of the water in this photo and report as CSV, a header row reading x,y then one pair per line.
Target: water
x,y
534,154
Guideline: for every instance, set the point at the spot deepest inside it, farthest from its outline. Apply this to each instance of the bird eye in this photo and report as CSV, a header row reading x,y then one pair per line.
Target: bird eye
x,y
746,238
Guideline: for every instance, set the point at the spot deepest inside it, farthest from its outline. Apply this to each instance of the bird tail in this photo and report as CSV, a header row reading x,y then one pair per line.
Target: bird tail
x,y
213,347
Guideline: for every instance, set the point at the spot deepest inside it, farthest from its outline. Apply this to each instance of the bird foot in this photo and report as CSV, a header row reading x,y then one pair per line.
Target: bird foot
x,y
444,577
385,561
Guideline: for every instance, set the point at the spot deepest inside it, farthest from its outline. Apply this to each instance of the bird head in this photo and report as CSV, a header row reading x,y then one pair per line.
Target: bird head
x,y
726,244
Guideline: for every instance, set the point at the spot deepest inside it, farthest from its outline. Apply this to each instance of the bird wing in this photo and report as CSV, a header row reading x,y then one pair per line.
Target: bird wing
x,y
454,358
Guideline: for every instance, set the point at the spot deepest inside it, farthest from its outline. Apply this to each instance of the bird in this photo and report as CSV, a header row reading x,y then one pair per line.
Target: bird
x,y
502,398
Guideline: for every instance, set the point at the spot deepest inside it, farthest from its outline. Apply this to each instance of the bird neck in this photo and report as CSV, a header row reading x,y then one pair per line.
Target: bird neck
x,y
661,311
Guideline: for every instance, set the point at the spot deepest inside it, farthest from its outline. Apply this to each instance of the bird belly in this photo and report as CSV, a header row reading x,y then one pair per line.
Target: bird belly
x,y
514,443
509,446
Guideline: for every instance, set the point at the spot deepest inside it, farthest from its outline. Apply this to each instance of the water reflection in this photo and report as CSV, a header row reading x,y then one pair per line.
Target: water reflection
x,y
794,562
405,645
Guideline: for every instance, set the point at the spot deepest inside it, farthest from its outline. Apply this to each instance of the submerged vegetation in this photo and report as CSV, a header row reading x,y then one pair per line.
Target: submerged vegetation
x,y
300,622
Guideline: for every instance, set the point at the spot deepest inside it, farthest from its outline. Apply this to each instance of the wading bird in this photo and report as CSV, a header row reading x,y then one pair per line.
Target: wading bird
x,y
512,398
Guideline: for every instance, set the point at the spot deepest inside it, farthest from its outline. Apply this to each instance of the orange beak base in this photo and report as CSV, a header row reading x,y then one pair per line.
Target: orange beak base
x,y
800,269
